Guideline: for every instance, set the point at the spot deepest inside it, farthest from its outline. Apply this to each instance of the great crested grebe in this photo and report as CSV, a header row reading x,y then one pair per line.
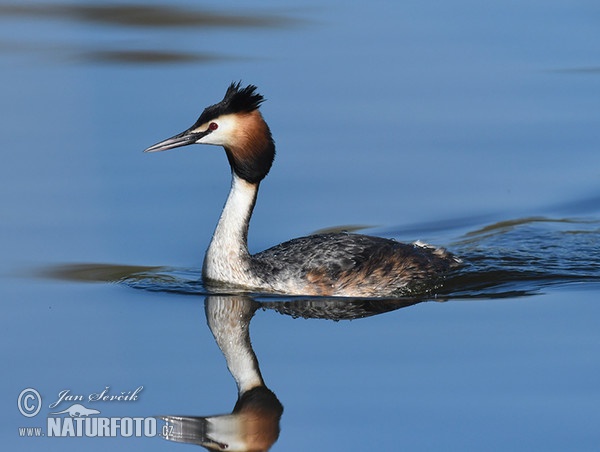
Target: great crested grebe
x,y
333,264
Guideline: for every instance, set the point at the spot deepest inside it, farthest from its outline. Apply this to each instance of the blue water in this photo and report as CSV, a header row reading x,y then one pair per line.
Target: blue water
x,y
469,125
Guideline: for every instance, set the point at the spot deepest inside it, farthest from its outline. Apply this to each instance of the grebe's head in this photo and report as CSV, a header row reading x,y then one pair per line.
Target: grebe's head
x,y
236,124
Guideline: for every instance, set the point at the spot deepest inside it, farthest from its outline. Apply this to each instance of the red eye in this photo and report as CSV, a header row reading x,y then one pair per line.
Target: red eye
x,y
213,126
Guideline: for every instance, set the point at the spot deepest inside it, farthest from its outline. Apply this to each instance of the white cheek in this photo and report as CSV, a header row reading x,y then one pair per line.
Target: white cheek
x,y
211,138
223,134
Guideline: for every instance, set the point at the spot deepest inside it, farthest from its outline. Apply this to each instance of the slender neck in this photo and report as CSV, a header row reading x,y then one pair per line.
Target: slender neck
x,y
227,257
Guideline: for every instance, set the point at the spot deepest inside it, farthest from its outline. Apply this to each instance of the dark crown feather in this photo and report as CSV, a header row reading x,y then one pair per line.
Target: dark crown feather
x,y
245,99
236,100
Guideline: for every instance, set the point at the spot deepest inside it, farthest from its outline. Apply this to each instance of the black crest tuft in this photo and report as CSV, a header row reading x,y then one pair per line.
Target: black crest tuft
x,y
236,100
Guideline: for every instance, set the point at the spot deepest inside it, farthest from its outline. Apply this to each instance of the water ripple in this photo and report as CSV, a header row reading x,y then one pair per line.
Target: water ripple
x,y
511,258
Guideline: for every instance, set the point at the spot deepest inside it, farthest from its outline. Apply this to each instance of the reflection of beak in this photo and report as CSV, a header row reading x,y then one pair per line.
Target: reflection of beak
x,y
182,139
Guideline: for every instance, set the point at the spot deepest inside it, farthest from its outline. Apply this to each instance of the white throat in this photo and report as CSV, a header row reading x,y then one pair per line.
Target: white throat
x,y
227,258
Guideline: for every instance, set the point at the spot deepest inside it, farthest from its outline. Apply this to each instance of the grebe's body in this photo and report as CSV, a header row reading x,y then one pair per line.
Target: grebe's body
x,y
336,264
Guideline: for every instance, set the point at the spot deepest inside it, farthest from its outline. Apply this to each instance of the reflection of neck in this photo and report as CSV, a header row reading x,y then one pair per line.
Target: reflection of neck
x,y
229,320
227,256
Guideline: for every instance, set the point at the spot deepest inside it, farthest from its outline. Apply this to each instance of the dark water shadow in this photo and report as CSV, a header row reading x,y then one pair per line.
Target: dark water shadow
x,y
139,15
582,70
118,56
108,18
144,56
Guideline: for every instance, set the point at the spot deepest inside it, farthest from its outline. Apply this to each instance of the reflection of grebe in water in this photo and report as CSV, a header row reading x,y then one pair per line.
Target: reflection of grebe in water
x,y
335,264
254,423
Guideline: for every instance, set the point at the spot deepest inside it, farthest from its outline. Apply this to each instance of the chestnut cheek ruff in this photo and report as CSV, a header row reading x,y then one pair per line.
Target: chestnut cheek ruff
x,y
253,153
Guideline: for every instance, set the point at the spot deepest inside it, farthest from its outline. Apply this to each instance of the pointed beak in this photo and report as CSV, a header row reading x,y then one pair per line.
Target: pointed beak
x,y
182,139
